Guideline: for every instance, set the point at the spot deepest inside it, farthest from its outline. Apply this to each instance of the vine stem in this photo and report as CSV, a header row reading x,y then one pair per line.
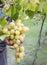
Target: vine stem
x,y
39,39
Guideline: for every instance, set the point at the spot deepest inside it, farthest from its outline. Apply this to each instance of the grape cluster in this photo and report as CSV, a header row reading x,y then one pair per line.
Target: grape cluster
x,y
16,37
20,53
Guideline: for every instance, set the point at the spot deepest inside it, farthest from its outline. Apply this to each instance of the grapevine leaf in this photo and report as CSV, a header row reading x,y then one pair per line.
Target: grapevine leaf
x,y
7,11
45,8
2,37
30,4
18,6
16,1
15,16
0,29
13,10
42,0
3,22
3,1
30,13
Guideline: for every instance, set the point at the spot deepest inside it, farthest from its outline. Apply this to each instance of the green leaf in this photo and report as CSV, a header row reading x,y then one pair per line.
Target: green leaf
x,y
16,1
15,16
30,4
22,15
45,8
30,13
3,37
15,12
18,7
3,1
3,22
0,29
42,0
7,12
